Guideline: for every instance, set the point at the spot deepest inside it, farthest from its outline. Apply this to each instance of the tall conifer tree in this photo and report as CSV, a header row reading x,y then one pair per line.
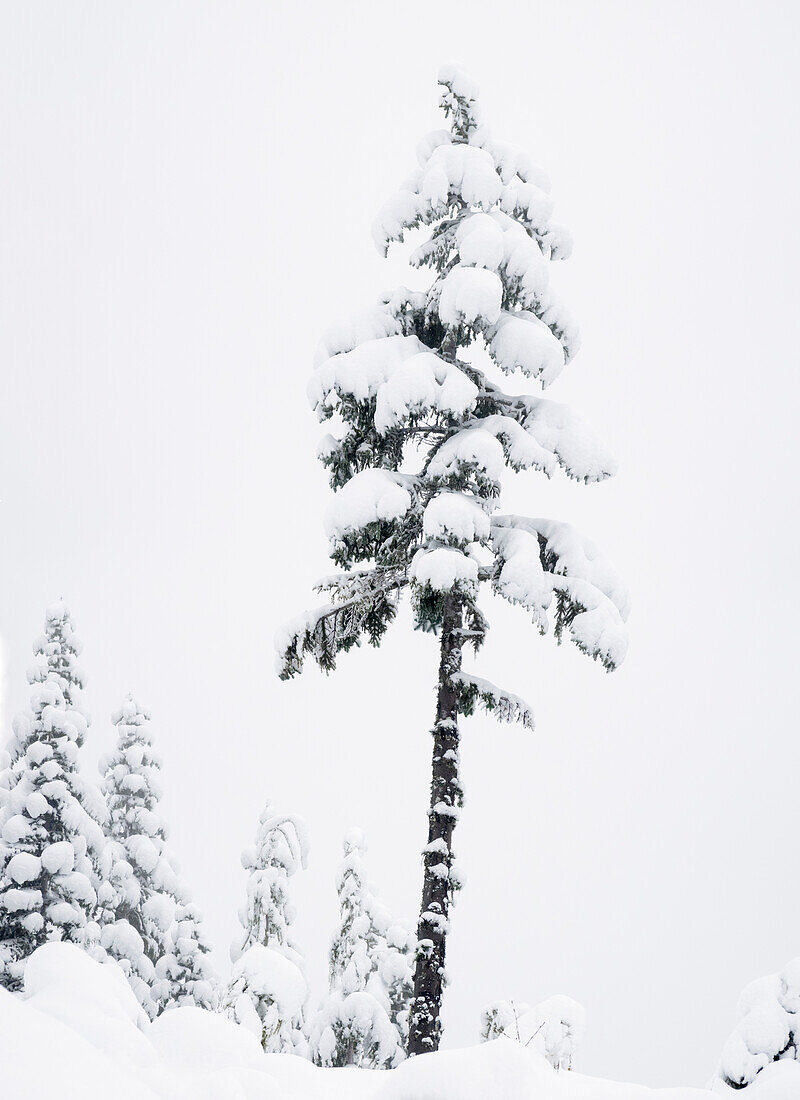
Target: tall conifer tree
x,y
423,430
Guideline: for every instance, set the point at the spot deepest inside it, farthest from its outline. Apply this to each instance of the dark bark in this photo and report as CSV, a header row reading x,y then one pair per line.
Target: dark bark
x,y
425,1027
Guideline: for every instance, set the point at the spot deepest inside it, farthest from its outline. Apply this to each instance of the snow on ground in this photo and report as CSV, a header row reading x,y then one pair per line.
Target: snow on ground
x,y
78,1033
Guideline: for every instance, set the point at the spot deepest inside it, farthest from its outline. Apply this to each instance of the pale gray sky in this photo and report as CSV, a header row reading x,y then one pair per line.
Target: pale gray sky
x,y
187,192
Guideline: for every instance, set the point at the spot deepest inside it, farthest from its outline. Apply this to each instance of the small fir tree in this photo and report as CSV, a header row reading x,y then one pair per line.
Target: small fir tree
x,y
267,992
120,928
396,971
424,431
363,1020
51,839
185,975
138,900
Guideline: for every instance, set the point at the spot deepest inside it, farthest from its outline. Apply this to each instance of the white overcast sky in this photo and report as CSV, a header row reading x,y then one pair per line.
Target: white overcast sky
x,y
186,198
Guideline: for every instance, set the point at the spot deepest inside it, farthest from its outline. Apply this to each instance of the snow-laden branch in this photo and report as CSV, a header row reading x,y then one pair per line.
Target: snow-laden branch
x,y
505,706
534,434
370,496
402,375
572,554
399,381
539,562
363,606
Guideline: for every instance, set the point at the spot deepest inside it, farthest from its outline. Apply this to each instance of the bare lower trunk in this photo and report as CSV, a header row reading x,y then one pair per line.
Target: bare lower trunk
x,y
425,1027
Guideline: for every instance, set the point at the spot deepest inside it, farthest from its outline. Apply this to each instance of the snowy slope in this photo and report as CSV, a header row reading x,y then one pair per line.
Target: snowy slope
x,y
79,1032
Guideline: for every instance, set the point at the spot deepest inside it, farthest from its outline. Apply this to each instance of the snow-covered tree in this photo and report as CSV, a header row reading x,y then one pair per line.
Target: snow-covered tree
x,y
185,975
138,900
767,1031
423,432
395,968
51,839
120,938
267,992
363,1021
555,1027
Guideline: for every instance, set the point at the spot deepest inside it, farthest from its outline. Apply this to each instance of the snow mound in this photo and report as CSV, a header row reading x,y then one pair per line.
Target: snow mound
x,y
78,1033
765,1036
90,997
780,1081
203,1040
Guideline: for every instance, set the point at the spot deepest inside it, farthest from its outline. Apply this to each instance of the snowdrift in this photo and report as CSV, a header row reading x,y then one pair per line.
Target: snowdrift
x,y
78,1033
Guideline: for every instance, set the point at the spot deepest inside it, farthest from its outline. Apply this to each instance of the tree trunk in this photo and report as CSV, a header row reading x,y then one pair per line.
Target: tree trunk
x,y
425,1026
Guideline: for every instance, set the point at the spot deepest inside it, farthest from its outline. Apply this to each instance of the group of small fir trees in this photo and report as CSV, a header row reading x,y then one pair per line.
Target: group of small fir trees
x,y
421,433
86,864
363,1020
